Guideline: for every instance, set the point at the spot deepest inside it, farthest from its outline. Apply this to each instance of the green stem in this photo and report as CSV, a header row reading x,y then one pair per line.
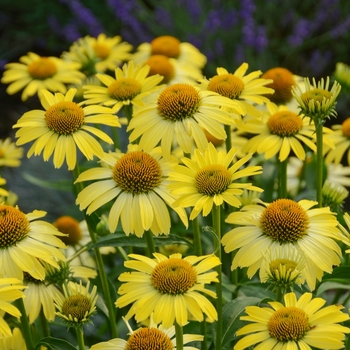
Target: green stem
x,y
197,242
101,269
319,160
25,326
228,140
179,337
128,110
123,253
115,137
216,213
279,294
282,179
44,324
80,337
151,248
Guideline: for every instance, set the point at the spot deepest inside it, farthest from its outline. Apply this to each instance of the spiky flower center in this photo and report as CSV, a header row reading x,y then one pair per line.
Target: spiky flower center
x,y
227,85
137,172
178,102
285,123
288,324
124,89
70,226
57,276
77,306
289,264
284,221
317,95
149,339
42,69
160,64
283,80
173,276
166,45
14,226
212,179
345,127
102,51
65,117
29,278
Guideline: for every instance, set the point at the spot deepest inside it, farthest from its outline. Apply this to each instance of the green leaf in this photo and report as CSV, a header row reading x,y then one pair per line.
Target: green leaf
x,y
331,285
63,185
231,313
55,344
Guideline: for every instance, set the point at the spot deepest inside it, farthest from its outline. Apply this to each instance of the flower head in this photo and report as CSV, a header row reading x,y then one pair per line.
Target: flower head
x,y
24,240
98,54
130,85
245,90
137,182
296,324
62,127
170,287
179,114
10,154
342,75
317,102
279,131
35,73
261,227
152,337
77,306
210,178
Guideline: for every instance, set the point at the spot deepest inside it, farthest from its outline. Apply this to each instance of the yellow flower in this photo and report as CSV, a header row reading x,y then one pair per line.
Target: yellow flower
x,y
24,240
36,73
296,324
3,192
279,131
210,178
130,85
10,290
312,232
246,90
151,337
137,183
317,102
10,154
62,127
168,287
171,47
98,54
15,340
77,306
342,75
179,114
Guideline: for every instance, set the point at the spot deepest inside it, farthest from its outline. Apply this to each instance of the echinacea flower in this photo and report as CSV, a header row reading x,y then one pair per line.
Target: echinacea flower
x,y
14,340
152,337
342,75
96,55
35,73
3,192
62,127
311,231
297,324
78,304
317,102
10,290
279,131
210,178
137,182
171,47
179,114
130,85
10,154
169,287
246,90
25,240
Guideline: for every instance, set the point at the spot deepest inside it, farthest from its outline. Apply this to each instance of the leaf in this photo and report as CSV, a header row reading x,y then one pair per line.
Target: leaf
x,y
230,315
55,344
331,285
63,185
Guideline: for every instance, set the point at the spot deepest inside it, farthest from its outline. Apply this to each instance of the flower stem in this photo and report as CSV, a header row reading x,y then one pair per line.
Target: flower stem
x,y
179,337
80,337
319,160
197,242
282,179
151,248
228,140
101,269
25,326
216,213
